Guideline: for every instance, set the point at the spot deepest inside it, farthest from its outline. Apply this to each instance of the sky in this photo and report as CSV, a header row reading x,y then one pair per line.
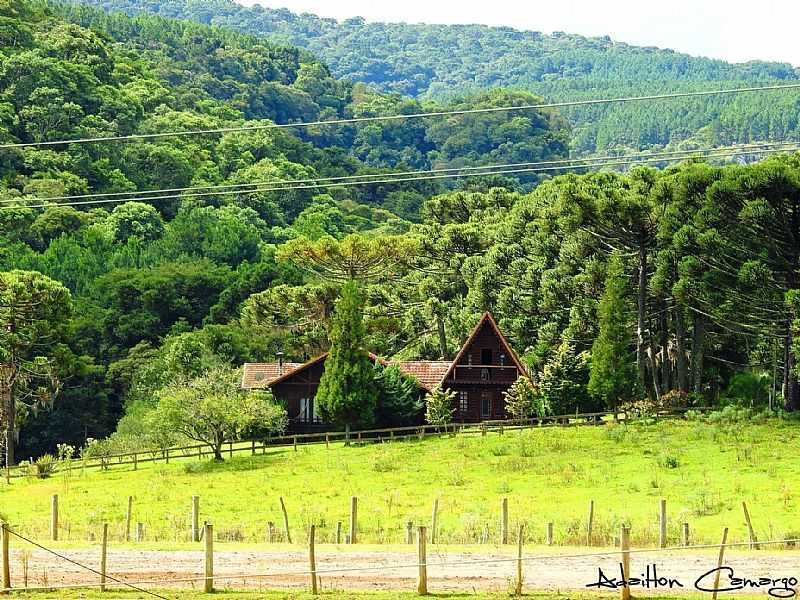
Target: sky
x,y
733,30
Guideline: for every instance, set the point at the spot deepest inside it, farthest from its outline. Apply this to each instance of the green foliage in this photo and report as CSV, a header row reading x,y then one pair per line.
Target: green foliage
x,y
564,379
433,61
347,394
440,406
748,390
213,409
613,376
399,399
135,219
523,400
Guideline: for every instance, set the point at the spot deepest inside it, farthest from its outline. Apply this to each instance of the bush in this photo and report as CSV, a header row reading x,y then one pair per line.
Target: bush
x,y
43,467
747,390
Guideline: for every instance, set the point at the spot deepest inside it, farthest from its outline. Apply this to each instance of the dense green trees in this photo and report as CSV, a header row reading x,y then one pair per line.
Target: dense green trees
x,y
442,62
165,289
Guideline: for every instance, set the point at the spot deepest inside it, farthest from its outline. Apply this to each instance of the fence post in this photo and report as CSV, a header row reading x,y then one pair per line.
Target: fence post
x,y
208,535
103,556
253,448
6,567
312,562
294,442
286,521
719,562
139,532
433,520
230,449
753,538
662,531
128,519
270,532
625,546
590,523
195,518
422,577
353,519
338,532
54,518
504,521
685,534
549,537
519,560
410,532
135,461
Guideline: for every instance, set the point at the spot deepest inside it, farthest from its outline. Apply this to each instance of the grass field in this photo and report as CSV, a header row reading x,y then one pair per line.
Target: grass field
x,y
704,471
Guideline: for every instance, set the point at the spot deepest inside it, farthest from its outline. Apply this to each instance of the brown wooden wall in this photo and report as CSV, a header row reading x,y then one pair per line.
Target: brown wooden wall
x,y
482,379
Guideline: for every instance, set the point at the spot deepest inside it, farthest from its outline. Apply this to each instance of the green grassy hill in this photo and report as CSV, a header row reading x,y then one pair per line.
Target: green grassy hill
x,y
704,471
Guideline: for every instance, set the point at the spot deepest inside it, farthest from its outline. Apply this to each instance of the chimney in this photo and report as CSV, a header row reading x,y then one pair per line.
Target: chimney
x,y
280,363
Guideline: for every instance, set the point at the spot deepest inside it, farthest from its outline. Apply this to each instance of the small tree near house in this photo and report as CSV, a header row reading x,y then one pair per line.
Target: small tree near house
x,y
440,406
524,400
212,409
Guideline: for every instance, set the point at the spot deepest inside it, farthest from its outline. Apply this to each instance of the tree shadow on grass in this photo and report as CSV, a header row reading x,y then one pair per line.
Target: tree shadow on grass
x,y
235,464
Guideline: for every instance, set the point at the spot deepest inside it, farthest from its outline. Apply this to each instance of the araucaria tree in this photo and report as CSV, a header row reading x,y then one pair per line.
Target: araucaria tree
x,y
213,409
440,406
613,371
34,309
347,393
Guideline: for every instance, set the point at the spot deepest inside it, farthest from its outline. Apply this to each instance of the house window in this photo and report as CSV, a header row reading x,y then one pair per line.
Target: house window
x,y
486,405
463,402
308,412
486,356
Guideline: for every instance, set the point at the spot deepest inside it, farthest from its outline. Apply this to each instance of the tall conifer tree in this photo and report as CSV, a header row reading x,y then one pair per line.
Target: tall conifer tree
x,y
613,370
347,393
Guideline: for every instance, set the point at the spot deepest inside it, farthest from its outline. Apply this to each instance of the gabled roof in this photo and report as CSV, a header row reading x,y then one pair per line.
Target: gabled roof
x,y
429,373
261,375
251,370
487,318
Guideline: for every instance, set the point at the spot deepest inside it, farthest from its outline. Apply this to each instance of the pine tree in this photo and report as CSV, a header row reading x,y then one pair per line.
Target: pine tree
x,y
347,393
613,370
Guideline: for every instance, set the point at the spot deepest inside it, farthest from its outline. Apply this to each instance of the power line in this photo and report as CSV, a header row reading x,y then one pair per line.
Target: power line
x,y
401,117
132,195
271,188
81,565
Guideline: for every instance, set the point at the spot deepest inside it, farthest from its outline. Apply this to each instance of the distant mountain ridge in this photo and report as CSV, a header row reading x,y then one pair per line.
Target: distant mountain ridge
x,y
443,61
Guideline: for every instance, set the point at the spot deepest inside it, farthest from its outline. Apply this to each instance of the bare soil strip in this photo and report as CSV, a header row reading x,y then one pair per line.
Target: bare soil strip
x,y
447,571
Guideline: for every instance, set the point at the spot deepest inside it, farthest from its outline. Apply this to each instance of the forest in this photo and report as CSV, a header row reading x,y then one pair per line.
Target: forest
x,y
445,62
674,285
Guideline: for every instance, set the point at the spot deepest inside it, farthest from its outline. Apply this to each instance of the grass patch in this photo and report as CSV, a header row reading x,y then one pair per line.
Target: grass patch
x,y
704,470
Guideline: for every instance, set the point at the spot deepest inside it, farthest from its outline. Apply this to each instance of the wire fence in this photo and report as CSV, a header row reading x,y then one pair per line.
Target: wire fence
x,y
254,446
789,583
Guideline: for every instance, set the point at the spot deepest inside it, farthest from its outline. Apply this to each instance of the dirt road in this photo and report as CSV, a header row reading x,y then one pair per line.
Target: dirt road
x,y
447,571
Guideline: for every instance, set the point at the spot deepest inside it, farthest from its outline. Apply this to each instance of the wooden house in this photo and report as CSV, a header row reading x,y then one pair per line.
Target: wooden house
x,y
484,368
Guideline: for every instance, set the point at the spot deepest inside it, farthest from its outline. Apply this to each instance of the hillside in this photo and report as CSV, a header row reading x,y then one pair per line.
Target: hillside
x,y
140,271
704,469
445,61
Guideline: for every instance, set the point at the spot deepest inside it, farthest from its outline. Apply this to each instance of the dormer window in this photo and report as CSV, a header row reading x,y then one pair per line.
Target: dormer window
x,y
486,356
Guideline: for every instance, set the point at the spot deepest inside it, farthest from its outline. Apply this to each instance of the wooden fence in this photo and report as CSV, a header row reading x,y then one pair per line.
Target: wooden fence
x,y
348,437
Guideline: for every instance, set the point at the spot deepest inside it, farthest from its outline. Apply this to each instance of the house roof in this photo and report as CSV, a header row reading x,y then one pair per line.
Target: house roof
x,y
487,318
429,373
261,375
